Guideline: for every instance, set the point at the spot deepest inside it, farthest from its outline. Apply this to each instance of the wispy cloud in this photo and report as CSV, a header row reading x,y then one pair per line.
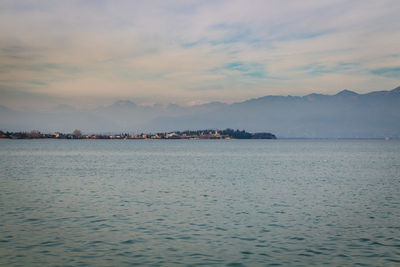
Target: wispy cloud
x,y
249,69
387,72
172,51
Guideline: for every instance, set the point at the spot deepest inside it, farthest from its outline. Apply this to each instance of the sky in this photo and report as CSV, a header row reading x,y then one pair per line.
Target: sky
x,y
91,53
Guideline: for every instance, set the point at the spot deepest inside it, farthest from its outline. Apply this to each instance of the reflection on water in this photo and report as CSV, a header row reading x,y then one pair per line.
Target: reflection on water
x,y
189,202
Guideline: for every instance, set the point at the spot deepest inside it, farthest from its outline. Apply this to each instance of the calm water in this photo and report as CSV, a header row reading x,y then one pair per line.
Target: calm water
x,y
199,202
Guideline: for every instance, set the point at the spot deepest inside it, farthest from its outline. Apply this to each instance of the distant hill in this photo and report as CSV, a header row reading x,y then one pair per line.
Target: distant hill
x,y
346,114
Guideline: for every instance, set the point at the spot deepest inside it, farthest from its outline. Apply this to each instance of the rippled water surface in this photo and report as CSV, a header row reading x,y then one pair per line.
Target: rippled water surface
x,y
199,202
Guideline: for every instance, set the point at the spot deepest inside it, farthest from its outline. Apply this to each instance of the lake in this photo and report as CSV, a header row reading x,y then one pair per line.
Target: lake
x,y
199,202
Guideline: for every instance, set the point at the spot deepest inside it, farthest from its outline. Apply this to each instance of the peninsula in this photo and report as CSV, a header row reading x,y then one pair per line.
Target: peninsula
x,y
189,134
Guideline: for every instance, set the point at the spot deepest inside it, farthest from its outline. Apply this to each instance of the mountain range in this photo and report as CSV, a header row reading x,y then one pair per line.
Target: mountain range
x,y
346,114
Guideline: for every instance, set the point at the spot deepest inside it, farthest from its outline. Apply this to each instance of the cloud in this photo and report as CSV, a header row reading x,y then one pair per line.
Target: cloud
x,y
387,72
174,51
249,69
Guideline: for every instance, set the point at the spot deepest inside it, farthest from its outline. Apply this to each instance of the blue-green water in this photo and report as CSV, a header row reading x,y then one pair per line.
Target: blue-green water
x,y
199,202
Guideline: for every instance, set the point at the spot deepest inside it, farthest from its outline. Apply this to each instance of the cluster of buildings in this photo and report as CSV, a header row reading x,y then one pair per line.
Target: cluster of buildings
x,y
206,134
200,134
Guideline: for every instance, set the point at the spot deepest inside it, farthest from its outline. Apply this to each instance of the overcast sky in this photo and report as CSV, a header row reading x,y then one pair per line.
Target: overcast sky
x,y
89,53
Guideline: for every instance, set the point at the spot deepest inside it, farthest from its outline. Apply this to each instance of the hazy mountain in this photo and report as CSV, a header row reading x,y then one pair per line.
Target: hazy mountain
x,y
343,115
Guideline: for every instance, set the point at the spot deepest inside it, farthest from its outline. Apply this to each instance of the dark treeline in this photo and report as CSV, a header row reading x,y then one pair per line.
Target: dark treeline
x,y
235,134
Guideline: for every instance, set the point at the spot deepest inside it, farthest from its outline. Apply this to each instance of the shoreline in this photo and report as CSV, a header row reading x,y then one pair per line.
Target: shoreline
x,y
150,139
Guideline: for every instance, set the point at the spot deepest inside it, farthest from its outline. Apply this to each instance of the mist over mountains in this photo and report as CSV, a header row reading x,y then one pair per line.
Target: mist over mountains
x,y
343,115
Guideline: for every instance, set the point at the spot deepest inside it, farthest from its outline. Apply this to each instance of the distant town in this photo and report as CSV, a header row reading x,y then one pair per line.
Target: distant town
x,y
198,134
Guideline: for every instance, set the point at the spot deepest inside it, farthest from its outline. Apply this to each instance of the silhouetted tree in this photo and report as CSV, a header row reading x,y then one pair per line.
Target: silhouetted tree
x,y
77,133
34,134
